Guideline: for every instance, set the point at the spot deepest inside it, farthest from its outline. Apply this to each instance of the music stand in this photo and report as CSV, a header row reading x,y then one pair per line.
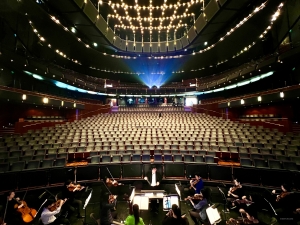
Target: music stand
x,y
85,205
225,202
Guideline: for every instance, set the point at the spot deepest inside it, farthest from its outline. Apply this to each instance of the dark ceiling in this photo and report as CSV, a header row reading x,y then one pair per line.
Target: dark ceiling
x,y
41,37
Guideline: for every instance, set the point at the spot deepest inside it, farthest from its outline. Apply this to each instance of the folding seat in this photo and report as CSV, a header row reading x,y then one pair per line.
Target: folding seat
x,y
260,163
246,162
81,149
71,150
16,153
289,165
270,146
291,153
168,158
268,156
116,158
136,157
177,157
253,150
60,162
280,147
295,159
17,166
188,158
223,149
33,164
275,164
265,151
95,159
146,158
126,158
157,158
4,167
278,152
209,159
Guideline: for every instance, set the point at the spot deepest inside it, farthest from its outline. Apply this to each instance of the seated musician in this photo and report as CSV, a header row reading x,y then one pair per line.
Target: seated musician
x,y
246,218
174,217
134,219
199,209
69,192
196,184
108,203
153,177
284,201
51,209
234,193
12,217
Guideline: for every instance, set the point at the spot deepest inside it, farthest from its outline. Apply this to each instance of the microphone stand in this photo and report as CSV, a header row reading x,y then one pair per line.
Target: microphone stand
x,y
225,202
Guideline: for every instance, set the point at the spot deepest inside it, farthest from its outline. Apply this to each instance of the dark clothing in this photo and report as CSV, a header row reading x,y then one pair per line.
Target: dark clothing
x,y
72,203
12,215
59,221
172,221
106,217
199,186
158,176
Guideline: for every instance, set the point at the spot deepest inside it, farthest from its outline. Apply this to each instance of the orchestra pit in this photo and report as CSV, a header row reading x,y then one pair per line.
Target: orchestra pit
x,y
149,112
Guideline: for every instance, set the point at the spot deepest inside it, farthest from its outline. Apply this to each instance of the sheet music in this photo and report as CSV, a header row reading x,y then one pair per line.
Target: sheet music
x,y
213,215
141,201
168,201
87,200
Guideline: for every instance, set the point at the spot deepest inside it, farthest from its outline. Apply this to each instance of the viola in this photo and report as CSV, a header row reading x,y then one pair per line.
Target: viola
x,y
282,195
28,214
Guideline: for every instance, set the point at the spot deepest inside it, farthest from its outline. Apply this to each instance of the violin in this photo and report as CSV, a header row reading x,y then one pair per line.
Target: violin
x,y
195,197
233,189
111,182
74,187
282,195
55,206
193,183
243,201
28,214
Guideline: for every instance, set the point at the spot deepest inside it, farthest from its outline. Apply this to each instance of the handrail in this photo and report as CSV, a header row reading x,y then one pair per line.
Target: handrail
x,y
29,125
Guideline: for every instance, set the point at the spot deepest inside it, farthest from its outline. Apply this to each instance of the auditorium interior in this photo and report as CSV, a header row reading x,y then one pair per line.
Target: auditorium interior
x,y
100,92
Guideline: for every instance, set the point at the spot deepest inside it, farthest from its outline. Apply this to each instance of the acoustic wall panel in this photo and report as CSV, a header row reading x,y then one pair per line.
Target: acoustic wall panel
x,y
138,47
178,45
192,34
163,46
110,35
146,47
184,41
171,47
211,9
154,47
79,3
91,11
130,47
101,24
200,23
117,42
123,45
222,2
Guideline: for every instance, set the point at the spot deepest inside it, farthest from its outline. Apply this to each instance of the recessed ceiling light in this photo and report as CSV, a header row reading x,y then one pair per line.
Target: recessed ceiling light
x,y
73,29
95,44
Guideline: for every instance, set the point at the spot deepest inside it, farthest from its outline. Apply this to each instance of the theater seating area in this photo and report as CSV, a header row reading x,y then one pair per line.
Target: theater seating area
x,y
148,108
143,137
44,119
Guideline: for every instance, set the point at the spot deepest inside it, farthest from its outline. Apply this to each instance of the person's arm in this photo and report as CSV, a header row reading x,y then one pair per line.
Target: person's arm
x,y
49,213
110,205
142,221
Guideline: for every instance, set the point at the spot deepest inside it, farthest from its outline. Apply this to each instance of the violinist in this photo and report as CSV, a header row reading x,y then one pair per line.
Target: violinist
x,y
69,192
283,201
234,193
196,185
12,215
52,208
107,206
246,218
199,209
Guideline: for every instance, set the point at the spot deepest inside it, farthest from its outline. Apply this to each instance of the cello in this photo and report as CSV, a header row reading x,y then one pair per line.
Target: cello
x,y
28,214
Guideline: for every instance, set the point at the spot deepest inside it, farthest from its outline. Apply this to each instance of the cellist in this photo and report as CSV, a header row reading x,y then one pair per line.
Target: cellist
x,y
12,216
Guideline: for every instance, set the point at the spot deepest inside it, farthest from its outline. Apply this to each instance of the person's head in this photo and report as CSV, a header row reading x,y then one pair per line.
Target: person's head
x,y
136,213
49,203
236,182
68,182
153,169
197,176
176,211
285,188
11,194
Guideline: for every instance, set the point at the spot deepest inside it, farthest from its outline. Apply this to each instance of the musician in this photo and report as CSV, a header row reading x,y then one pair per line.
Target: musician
x,y
154,178
69,193
108,203
135,219
196,184
173,217
247,218
234,193
12,217
51,209
199,209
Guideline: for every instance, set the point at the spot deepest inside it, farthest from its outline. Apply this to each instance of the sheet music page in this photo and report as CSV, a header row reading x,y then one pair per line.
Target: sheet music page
x,y
142,202
213,215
